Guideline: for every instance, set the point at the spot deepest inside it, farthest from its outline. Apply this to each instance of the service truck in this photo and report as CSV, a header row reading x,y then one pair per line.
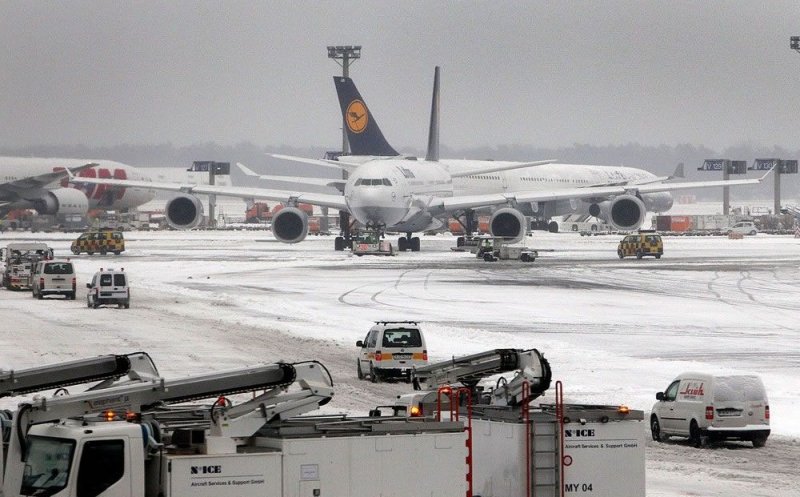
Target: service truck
x,y
522,450
135,436
19,260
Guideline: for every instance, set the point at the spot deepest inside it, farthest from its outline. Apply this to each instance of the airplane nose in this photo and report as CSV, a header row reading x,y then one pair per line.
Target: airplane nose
x,y
377,206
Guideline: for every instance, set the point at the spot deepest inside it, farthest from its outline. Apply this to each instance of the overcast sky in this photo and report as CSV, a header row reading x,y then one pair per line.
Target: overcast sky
x,y
541,73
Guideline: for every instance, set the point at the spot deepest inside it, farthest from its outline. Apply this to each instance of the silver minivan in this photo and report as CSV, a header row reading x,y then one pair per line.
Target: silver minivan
x,y
109,287
705,408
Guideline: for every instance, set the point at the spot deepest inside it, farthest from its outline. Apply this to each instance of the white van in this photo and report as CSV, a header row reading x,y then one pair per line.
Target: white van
x,y
109,287
391,350
53,277
704,408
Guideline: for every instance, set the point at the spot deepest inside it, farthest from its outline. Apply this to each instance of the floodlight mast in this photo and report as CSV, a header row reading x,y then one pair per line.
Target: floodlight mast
x,y
344,55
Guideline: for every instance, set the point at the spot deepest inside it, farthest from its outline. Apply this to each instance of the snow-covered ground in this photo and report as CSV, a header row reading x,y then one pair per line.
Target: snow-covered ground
x,y
615,331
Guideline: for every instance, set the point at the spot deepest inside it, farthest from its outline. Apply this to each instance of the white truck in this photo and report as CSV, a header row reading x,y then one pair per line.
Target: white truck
x,y
139,439
521,450
19,260
492,249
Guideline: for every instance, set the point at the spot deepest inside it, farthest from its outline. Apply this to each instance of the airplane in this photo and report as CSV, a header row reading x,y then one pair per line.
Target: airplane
x,y
43,184
409,195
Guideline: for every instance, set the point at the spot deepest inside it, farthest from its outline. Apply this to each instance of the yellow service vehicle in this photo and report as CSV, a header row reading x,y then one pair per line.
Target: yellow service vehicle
x,y
641,244
99,241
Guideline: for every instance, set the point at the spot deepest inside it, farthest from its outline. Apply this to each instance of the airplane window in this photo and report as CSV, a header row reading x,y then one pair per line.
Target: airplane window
x,y
358,182
387,182
376,181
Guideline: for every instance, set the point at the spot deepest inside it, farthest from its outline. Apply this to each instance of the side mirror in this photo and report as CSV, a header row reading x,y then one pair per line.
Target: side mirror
x,y
359,344
660,396
88,285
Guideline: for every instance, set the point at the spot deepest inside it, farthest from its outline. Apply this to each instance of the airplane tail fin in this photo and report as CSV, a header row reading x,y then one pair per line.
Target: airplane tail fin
x,y
363,133
678,172
433,131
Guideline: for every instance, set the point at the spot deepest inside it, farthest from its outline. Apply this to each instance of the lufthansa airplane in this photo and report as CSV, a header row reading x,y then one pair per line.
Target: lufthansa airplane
x,y
44,185
388,192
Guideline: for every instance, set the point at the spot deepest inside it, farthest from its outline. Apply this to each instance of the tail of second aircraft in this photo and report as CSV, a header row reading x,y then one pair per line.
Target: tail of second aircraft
x,y
363,133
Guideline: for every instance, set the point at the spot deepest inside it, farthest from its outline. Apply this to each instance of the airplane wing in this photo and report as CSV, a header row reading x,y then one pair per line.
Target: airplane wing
x,y
501,166
332,182
40,181
600,193
321,199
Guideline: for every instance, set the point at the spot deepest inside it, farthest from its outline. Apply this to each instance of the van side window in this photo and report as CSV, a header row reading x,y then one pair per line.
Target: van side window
x,y
102,465
372,339
672,391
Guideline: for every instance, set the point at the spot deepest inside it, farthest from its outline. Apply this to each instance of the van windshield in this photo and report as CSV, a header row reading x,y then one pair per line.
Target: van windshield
x,y
58,268
738,388
402,337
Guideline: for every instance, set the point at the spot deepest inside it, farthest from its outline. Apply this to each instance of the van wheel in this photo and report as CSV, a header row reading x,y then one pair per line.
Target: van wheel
x,y
95,305
759,442
88,303
117,252
89,252
639,254
658,256
655,429
373,376
76,251
696,437
358,370
102,252
127,305
71,295
619,253
39,295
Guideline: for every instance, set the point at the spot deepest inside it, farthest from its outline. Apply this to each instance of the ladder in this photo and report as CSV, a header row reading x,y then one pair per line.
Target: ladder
x,y
545,468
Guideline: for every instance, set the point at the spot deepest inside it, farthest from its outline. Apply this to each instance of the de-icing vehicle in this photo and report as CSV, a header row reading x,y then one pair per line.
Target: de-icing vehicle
x,y
132,435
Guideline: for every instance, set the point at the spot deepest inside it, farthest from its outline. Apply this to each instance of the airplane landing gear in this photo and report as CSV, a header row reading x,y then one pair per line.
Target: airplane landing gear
x,y
408,243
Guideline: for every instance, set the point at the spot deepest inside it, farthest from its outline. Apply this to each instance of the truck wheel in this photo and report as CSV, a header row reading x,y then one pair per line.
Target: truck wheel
x,y
127,305
460,241
488,257
338,243
359,373
71,295
759,441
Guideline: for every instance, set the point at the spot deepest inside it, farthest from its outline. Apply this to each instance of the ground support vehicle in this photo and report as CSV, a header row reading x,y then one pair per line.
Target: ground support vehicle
x,y
743,228
102,241
19,260
391,350
138,439
370,243
521,450
707,408
643,243
493,249
53,277
109,287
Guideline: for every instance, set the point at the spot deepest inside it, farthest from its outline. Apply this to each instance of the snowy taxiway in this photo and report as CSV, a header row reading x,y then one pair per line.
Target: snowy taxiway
x,y
615,331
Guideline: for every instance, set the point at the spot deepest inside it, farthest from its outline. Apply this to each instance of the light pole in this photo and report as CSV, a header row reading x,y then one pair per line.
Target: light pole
x,y
344,55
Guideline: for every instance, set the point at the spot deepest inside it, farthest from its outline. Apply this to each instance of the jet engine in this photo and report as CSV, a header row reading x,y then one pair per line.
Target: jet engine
x,y
507,223
290,225
625,212
61,201
657,202
184,212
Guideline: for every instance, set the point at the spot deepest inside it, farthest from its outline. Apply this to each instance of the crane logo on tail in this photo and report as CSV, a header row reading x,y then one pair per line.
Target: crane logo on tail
x,y
356,116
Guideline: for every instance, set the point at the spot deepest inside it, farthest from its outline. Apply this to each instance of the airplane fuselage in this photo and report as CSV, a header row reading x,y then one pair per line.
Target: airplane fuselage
x,y
98,196
395,193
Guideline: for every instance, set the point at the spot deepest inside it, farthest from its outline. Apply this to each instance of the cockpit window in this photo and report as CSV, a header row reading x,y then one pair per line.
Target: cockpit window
x,y
372,182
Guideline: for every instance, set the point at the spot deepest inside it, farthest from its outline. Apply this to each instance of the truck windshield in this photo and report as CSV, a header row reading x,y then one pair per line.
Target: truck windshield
x,y
402,337
47,467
